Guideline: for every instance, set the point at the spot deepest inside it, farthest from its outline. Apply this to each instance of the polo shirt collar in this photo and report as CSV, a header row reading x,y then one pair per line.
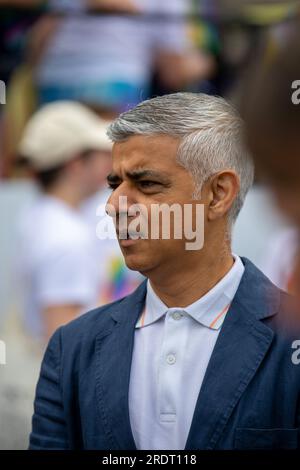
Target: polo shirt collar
x,y
210,310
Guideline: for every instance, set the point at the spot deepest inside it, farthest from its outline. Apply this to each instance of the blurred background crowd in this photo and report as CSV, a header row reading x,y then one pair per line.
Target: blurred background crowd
x,y
69,67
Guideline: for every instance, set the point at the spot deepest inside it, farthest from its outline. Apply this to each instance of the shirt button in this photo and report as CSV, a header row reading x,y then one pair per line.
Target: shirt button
x,y
171,359
177,315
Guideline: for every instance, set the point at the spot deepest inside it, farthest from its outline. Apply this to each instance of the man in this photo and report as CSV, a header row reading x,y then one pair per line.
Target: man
x,y
67,150
194,358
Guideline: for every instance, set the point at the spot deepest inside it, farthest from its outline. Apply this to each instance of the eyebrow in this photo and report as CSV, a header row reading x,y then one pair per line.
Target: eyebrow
x,y
136,175
112,178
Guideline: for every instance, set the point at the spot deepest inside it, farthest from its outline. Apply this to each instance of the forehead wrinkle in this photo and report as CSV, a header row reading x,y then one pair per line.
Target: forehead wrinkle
x,y
142,147
134,155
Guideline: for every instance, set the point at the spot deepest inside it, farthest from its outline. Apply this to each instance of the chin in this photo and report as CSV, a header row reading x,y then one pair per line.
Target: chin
x,y
136,262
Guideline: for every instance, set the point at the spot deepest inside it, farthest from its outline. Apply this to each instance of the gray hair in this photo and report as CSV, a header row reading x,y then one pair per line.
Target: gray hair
x,y
210,130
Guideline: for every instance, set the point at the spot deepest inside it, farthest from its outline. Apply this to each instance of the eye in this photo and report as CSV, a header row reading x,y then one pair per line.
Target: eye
x,y
148,184
112,186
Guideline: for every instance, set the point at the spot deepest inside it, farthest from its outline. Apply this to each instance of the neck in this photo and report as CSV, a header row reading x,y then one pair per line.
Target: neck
x,y
182,287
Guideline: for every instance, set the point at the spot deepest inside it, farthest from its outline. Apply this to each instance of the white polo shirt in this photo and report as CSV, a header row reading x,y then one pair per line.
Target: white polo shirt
x,y
172,348
56,260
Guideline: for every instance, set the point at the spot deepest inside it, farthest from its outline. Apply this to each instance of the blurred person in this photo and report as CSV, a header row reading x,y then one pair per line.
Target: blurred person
x,y
281,258
63,145
273,118
191,359
107,60
258,223
17,18
271,109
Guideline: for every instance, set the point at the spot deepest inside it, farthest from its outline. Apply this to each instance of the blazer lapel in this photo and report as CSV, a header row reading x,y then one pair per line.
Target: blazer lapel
x,y
113,360
241,346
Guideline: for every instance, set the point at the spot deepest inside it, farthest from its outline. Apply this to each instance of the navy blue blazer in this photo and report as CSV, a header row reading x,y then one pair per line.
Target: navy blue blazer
x,y
249,397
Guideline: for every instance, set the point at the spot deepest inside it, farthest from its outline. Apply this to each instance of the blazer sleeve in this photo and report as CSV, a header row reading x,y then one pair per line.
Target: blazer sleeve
x,y
49,430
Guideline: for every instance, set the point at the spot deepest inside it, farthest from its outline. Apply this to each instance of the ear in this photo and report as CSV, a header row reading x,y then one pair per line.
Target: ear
x,y
223,190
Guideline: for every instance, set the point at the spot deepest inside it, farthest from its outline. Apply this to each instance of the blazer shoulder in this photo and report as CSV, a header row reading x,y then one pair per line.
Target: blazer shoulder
x,y
91,323
84,330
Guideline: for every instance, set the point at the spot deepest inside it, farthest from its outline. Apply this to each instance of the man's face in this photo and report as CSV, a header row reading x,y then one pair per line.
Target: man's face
x,y
146,172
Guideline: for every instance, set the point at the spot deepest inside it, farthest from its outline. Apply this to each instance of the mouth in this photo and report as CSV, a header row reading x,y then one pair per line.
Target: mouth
x,y
127,239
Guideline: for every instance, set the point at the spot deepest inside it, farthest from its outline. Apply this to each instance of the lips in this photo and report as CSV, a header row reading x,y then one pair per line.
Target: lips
x,y
126,235
127,240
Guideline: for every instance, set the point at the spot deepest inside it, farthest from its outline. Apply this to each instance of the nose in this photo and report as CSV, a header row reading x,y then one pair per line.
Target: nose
x,y
120,200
